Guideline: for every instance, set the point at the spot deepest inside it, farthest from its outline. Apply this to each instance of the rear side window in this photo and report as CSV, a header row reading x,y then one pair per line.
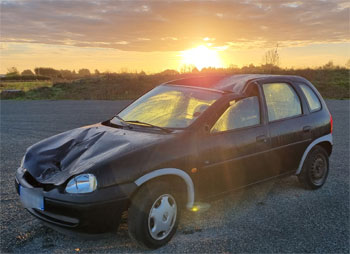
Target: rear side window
x,y
311,97
239,114
282,101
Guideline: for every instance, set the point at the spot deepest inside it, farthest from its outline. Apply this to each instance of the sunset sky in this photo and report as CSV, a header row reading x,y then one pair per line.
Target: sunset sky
x,y
157,35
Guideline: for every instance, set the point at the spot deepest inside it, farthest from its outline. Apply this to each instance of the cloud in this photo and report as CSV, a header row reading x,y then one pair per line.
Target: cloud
x,y
174,25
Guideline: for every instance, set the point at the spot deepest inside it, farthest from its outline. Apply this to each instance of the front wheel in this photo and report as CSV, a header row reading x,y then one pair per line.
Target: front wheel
x,y
315,169
153,215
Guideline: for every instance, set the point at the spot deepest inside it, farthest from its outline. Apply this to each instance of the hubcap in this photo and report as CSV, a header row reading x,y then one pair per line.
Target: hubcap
x,y
162,217
318,170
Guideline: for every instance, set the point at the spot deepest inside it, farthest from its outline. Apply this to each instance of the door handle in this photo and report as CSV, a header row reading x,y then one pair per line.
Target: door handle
x,y
306,128
261,138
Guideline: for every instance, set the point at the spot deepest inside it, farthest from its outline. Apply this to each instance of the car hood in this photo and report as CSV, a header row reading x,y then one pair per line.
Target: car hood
x,y
55,159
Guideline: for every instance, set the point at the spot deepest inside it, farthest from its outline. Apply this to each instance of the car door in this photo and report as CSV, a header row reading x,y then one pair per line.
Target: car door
x,y
288,127
230,154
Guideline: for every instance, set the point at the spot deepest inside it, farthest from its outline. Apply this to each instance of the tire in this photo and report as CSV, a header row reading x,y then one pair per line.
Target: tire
x,y
315,169
154,215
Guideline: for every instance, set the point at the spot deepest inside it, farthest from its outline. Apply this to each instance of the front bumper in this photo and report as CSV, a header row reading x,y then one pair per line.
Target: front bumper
x,y
96,212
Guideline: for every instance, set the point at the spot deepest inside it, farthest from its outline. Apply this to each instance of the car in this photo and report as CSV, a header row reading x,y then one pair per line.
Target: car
x,y
183,142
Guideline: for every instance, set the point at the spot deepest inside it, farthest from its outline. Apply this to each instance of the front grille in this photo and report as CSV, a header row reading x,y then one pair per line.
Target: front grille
x,y
33,182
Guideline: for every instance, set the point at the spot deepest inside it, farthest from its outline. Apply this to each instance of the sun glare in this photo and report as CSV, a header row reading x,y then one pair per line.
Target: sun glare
x,y
201,57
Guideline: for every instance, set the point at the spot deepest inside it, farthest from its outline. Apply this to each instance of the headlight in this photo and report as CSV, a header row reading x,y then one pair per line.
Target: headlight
x,y
82,184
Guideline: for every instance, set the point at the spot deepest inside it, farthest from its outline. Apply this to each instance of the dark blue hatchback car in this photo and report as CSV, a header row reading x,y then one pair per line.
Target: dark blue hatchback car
x,y
182,142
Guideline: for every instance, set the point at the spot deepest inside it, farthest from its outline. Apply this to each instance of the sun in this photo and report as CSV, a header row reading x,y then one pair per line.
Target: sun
x,y
201,57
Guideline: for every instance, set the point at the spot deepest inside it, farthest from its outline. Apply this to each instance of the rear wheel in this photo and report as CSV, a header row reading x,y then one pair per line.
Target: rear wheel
x,y
154,215
315,169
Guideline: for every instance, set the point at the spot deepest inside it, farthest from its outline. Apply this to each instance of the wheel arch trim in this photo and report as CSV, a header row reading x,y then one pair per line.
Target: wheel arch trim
x,y
326,138
171,171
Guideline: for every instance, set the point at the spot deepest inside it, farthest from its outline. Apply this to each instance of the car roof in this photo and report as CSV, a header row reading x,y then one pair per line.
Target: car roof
x,y
228,83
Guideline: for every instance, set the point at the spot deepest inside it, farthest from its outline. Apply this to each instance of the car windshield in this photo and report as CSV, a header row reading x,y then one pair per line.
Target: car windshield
x,y
168,107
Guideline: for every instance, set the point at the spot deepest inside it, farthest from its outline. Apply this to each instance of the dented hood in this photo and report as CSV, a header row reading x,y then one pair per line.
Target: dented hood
x,y
55,159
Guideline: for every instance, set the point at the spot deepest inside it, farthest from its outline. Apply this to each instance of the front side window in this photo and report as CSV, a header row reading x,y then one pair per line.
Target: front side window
x,y
169,106
239,114
281,100
311,97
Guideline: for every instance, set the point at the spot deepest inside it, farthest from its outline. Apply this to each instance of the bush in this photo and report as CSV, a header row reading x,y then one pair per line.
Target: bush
x,y
11,94
24,78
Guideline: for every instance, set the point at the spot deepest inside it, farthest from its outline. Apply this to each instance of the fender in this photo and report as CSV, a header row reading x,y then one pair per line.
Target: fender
x,y
328,138
171,171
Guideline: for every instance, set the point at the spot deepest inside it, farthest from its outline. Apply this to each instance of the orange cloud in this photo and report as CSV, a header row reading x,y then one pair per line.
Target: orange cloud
x,y
175,25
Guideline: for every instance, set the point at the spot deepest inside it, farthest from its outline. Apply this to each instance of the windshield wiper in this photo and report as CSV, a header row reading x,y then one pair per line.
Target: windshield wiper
x,y
121,119
149,125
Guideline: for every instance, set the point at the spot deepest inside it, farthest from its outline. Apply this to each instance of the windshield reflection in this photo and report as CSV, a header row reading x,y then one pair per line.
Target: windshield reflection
x,y
169,106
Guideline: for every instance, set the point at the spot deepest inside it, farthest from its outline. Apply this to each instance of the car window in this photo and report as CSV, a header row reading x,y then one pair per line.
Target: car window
x,y
311,97
281,100
239,114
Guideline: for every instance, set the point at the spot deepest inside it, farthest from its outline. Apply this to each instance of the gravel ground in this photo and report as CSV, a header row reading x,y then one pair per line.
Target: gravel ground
x,y
276,216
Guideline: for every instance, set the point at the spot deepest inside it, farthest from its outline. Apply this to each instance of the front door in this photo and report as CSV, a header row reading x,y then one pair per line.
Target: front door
x,y
230,154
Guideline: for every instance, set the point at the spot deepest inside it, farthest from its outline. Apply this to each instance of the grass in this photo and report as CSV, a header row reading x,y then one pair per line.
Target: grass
x,y
24,85
333,84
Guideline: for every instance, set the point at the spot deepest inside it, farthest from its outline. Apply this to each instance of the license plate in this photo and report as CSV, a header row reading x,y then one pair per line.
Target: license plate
x,y
31,197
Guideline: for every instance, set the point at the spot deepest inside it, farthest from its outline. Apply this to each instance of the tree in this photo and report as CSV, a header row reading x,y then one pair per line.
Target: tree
x,y
49,72
347,65
12,71
84,72
187,68
329,66
271,57
27,73
122,70
67,74
233,66
251,66
97,72
195,70
169,72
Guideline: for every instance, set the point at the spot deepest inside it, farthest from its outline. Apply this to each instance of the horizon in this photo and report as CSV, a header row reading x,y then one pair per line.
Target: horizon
x,y
149,36
187,69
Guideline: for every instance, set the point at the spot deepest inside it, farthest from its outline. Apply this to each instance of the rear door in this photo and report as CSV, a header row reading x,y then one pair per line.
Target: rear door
x,y
289,130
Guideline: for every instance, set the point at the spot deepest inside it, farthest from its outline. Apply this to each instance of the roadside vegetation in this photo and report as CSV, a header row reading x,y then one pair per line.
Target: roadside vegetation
x,y
47,83
24,85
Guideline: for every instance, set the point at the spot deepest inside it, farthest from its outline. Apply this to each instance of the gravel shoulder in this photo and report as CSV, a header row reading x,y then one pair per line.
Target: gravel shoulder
x,y
275,216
